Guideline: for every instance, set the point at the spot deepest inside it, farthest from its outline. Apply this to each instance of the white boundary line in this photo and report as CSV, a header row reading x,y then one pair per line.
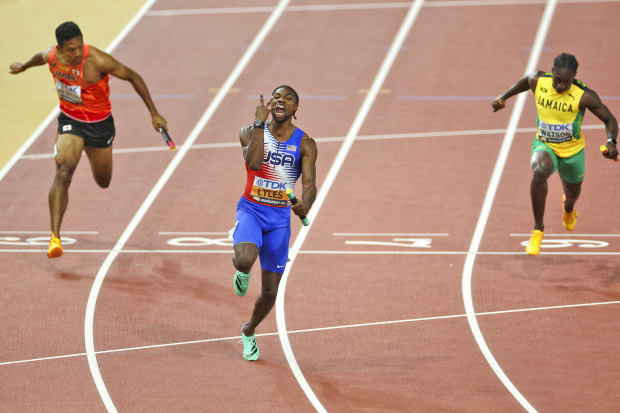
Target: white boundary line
x,y
359,6
325,187
323,252
312,330
35,135
47,232
486,210
387,234
413,135
94,292
568,235
54,113
195,233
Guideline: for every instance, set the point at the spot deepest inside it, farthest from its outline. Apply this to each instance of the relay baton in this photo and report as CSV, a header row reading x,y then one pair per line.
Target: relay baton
x,y
291,196
167,138
605,150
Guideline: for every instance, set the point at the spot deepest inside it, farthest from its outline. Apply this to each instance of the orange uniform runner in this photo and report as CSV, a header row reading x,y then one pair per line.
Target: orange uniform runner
x,y
85,123
78,99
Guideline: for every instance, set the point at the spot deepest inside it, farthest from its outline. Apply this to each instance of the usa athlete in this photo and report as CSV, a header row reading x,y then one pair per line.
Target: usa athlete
x,y
276,153
80,73
561,101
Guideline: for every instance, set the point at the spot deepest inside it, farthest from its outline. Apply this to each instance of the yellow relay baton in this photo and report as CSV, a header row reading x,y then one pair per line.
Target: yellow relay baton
x,y
603,149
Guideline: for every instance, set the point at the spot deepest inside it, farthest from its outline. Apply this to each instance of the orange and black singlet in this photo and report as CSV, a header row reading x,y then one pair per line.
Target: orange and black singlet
x,y
78,99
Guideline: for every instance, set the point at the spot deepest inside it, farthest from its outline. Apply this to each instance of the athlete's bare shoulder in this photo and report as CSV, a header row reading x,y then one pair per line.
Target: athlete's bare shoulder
x,y
307,137
99,57
308,145
590,98
45,53
533,79
244,135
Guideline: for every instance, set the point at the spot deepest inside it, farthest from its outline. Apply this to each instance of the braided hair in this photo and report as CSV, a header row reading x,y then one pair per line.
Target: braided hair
x,y
566,61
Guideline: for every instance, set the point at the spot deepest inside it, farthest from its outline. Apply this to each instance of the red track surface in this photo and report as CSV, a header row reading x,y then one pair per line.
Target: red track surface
x,y
562,359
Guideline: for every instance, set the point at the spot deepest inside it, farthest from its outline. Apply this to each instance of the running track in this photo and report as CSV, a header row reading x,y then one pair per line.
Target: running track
x,y
376,302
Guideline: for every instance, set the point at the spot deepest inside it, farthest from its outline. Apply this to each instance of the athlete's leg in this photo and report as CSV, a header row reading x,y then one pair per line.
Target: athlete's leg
x,y
273,258
542,167
265,301
101,164
572,192
247,238
68,150
245,256
572,171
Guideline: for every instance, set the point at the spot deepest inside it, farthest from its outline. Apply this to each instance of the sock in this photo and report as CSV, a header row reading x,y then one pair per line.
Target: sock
x,y
243,275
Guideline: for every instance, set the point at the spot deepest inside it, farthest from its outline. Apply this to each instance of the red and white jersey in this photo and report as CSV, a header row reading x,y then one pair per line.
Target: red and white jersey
x,y
280,170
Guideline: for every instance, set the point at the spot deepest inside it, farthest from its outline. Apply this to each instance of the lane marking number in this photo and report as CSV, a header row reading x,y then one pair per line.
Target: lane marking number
x,y
567,243
17,241
200,242
397,242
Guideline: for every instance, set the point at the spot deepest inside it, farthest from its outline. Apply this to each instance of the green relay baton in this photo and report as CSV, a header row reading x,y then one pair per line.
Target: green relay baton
x,y
291,196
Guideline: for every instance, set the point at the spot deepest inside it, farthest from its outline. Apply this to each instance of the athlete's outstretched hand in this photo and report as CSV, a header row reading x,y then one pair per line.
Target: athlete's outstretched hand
x,y
262,110
16,68
159,122
498,104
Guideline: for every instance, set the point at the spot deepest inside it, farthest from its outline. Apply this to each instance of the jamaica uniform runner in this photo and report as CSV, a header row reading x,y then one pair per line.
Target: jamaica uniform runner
x,y
558,127
561,101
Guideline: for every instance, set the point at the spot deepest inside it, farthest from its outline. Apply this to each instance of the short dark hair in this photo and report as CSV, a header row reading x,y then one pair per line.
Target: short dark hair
x,y
291,89
67,31
566,61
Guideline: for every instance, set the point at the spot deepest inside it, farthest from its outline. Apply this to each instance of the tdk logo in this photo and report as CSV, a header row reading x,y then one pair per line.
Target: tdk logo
x,y
558,128
278,158
267,184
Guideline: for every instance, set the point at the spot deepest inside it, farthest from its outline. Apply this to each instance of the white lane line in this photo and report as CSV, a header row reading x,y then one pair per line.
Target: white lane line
x,y
215,103
90,307
324,190
193,233
414,135
387,234
312,330
325,252
486,210
358,6
54,113
35,135
568,235
47,232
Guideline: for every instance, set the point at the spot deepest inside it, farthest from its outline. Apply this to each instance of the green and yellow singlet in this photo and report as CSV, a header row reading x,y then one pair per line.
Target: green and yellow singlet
x,y
559,118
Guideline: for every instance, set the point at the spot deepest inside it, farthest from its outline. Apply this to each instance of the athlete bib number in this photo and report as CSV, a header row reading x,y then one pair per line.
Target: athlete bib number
x,y
555,132
72,94
269,192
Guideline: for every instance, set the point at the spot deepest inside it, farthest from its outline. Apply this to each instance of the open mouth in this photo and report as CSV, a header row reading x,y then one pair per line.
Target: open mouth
x,y
279,111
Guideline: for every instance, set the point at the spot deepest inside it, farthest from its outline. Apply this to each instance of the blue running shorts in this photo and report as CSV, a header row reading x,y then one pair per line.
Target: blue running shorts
x,y
269,228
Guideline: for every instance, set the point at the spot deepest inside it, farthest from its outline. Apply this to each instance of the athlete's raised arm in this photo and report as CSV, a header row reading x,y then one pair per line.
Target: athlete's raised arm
x,y
252,138
106,63
524,84
38,59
